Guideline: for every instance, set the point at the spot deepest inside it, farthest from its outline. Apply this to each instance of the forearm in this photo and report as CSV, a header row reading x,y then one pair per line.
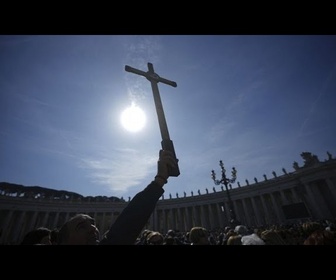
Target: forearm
x,y
134,217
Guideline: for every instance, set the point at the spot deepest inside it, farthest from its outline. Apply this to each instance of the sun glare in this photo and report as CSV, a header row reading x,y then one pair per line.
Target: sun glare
x,y
133,118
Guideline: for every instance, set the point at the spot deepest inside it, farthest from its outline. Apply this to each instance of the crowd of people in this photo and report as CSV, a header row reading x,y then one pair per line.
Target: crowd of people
x,y
302,233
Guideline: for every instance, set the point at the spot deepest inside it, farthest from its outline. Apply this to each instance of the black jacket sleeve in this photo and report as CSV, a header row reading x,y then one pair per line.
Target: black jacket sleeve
x,y
134,217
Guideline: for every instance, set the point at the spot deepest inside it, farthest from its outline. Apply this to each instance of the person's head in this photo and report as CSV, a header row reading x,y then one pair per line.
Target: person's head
x,y
155,238
310,227
199,236
39,236
171,233
143,236
169,240
79,230
234,240
272,237
241,230
321,237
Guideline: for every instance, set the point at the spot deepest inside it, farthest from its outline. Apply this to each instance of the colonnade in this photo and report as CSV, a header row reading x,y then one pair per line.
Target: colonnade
x,y
255,205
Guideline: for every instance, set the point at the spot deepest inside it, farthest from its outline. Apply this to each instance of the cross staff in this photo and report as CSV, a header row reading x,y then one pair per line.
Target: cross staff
x,y
154,78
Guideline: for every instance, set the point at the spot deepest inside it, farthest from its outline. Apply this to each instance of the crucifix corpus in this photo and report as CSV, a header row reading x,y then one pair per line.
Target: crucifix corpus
x,y
154,78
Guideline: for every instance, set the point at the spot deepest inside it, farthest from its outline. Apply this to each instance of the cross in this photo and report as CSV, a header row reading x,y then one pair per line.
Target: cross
x,y
154,78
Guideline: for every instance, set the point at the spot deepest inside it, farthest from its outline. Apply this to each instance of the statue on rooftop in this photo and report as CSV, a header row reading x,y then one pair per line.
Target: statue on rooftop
x,y
309,159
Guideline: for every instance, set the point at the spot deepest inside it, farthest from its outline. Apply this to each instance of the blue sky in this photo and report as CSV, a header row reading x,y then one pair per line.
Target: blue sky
x,y
254,101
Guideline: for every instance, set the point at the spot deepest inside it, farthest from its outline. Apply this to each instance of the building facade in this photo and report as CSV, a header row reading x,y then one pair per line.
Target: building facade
x,y
308,193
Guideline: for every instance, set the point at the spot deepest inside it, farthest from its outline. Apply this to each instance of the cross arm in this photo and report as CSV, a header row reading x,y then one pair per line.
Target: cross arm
x,y
150,75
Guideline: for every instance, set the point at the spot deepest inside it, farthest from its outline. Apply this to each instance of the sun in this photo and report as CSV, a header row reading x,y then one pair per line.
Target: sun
x,y
133,118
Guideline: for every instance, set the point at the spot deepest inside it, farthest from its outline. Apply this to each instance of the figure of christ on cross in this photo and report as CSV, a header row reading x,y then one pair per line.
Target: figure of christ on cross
x,y
166,143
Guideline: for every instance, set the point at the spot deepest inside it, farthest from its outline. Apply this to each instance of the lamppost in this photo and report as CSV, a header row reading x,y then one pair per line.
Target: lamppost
x,y
225,181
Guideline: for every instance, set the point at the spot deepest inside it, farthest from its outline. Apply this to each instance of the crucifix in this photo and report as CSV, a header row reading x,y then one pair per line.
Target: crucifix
x,y
154,78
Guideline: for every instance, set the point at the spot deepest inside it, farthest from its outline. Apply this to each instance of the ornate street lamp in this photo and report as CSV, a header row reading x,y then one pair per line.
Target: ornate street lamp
x,y
225,181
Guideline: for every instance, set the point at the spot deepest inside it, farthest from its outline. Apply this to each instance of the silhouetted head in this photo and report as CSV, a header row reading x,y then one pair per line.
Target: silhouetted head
x,y
79,230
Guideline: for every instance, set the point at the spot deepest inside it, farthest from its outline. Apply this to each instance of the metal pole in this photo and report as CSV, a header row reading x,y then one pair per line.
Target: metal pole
x,y
231,209
225,182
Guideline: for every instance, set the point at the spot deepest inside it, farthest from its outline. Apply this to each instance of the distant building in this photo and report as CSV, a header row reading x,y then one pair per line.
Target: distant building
x,y
307,193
